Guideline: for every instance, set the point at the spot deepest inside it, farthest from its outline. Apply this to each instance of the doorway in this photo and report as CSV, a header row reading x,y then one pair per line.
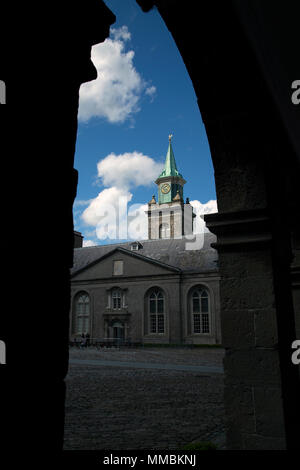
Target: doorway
x,y
118,331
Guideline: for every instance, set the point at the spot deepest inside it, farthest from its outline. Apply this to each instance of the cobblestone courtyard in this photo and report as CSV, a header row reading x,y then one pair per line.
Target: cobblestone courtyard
x,y
122,405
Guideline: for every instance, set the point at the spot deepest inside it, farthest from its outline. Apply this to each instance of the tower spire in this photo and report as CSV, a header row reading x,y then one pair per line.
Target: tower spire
x,y
170,168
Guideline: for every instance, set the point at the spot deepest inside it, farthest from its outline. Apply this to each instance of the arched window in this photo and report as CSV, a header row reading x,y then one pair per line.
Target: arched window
x,y
164,231
156,312
116,299
200,310
82,314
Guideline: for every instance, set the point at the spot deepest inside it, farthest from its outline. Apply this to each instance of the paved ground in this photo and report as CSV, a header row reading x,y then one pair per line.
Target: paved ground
x,y
144,398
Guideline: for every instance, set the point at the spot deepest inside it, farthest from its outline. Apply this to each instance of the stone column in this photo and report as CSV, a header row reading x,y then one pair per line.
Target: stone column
x,y
295,276
255,397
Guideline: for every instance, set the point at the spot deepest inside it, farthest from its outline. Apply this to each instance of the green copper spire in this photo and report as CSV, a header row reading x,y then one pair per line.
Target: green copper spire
x,y
170,182
170,168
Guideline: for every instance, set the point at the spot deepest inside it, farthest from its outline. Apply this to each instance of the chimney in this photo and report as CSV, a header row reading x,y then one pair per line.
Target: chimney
x,y
78,239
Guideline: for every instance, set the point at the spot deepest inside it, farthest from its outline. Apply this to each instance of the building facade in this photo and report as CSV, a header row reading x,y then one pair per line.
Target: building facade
x,y
161,290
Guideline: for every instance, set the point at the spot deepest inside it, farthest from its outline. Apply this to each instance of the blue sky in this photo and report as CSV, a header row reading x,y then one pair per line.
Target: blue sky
x,y
142,94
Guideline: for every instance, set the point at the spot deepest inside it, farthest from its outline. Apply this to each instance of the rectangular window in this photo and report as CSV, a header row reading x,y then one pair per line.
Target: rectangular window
x,y
116,302
204,304
205,323
152,323
152,305
160,305
157,324
79,325
197,323
118,268
196,304
160,324
80,309
201,323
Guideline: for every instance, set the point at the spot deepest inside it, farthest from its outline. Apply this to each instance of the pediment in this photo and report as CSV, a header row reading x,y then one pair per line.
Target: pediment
x,y
122,263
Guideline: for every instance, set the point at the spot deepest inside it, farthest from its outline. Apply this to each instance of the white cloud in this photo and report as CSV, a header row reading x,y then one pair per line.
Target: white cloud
x,y
120,33
81,202
150,91
200,209
104,206
129,169
114,219
138,222
109,210
88,243
116,92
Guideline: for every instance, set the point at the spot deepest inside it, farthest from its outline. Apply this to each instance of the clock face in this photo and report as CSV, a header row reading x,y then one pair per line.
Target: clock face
x,y
165,188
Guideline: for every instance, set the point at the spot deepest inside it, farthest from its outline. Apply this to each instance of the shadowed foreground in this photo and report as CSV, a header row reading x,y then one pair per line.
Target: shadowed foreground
x,y
121,408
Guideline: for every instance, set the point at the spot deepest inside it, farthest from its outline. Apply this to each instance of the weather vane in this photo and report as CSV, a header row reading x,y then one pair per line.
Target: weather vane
x,y
170,137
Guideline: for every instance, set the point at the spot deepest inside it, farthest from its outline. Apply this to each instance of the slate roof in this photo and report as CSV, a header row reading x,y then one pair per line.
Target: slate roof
x,y
172,252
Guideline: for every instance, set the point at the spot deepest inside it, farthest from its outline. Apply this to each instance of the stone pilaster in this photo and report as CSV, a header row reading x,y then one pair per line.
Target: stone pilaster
x,y
295,276
253,384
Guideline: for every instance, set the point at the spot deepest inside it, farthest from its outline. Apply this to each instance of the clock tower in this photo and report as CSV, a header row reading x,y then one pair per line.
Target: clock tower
x,y
170,181
170,217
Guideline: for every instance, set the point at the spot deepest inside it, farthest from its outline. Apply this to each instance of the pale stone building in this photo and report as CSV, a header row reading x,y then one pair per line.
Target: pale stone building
x,y
161,290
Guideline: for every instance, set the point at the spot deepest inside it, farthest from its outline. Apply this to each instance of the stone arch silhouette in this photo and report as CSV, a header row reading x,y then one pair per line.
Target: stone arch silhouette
x,y
243,91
